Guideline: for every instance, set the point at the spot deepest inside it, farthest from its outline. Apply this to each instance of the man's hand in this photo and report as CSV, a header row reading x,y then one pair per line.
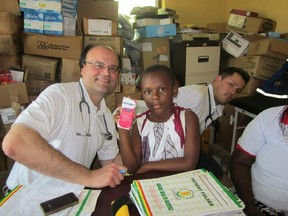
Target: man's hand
x,y
108,175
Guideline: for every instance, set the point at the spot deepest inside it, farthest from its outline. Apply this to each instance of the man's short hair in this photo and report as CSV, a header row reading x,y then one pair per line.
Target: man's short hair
x,y
229,71
85,51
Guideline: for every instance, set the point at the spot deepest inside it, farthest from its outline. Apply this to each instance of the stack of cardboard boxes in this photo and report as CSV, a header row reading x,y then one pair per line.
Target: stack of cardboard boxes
x,y
251,46
251,49
52,55
261,56
13,94
48,43
153,32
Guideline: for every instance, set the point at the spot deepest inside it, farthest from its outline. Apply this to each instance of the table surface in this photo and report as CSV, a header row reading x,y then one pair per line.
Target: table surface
x,y
257,103
107,195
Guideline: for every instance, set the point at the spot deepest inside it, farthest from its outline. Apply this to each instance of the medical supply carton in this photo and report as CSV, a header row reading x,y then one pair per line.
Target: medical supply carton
x,y
53,45
157,30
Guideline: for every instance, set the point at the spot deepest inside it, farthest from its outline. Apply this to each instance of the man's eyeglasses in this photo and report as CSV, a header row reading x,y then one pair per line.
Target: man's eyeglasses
x,y
100,66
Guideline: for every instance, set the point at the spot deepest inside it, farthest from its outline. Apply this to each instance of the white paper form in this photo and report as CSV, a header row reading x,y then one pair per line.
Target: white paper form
x,y
87,203
26,202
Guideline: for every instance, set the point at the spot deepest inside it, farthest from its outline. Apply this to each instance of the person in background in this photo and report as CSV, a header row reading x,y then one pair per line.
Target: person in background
x,y
166,137
208,101
61,132
258,165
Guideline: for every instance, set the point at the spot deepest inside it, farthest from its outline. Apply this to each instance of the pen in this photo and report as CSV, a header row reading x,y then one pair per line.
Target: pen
x,y
124,172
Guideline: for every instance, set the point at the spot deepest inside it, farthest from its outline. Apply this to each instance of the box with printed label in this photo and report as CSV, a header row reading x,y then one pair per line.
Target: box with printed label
x,y
157,31
252,25
42,6
10,45
40,67
94,9
53,24
53,45
9,23
33,22
155,51
257,66
114,42
102,27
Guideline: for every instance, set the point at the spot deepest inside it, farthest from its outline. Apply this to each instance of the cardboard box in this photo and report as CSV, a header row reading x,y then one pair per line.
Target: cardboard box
x,y
10,6
53,46
53,24
113,100
42,6
257,66
6,62
40,67
69,26
155,51
94,9
252,85
9,23
157,31
248,25
100,27
117,87
36,86
153,21
10,45
70,70
114,42
217,27
33,22
4,128
7,117
16,92
189,36
270,47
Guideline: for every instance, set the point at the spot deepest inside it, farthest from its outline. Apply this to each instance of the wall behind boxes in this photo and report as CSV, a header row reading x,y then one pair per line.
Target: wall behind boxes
x,y
192,11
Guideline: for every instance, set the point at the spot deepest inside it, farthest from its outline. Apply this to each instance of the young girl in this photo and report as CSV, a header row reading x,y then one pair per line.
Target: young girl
x,y
166,137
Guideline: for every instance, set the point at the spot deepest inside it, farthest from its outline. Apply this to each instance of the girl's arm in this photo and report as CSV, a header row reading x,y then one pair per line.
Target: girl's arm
x,y
191,150
130,148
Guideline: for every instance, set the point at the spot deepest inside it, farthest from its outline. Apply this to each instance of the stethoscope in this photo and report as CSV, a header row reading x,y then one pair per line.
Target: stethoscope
x,y
83,102
210,114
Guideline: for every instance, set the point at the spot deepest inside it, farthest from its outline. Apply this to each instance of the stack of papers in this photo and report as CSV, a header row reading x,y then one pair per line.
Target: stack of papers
x,y
196,192
25,200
